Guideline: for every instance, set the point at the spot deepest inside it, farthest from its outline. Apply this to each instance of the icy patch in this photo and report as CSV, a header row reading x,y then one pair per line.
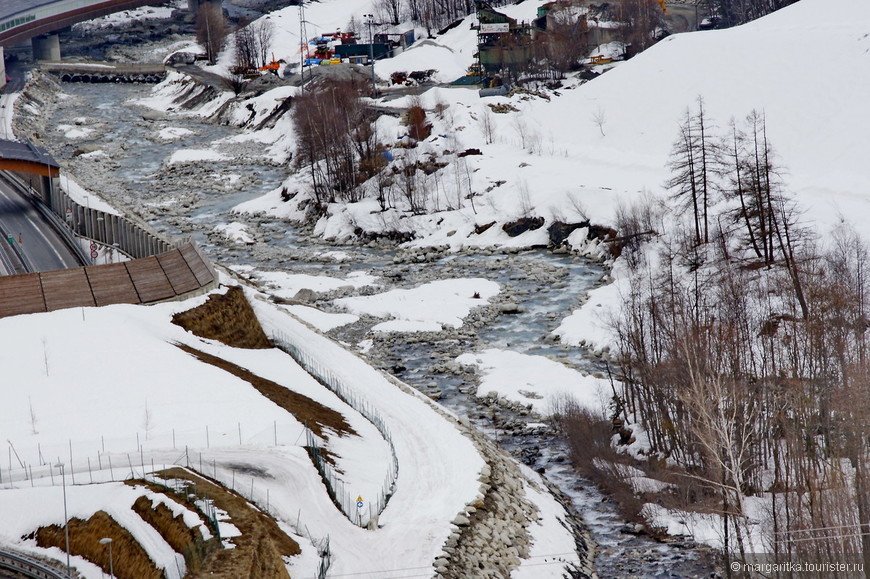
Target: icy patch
x,y
173,133
535,381
195,155
428,307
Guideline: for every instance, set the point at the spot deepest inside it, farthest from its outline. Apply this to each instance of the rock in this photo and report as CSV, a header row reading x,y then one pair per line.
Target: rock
x,y
461,520
510,308
559,232
152,115
520,226
306,295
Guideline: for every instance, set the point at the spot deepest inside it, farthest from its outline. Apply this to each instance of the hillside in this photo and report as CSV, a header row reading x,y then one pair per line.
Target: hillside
x,y
585,148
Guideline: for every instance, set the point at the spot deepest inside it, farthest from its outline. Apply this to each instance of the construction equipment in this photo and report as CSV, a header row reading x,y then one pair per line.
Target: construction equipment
x,y
273,66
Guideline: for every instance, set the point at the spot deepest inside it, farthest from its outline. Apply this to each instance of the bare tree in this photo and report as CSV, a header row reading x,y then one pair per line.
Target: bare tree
x,y
566,41
692,173
336,141
211,30
263,32
641,20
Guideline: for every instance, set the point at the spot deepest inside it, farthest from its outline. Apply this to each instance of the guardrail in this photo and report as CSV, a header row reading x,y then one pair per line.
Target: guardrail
x,y
28,566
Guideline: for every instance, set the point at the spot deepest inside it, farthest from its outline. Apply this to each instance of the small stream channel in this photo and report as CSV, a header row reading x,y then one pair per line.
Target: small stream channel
x,y
547,286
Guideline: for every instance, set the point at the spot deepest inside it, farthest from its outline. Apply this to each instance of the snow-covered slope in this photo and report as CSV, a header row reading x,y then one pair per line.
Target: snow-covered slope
x,y
586,148
89,388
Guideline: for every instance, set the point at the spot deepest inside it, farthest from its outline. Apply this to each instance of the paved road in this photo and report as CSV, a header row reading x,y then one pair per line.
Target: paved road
x,y
43,248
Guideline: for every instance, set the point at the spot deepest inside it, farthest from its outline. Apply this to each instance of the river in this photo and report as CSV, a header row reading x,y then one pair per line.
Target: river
x,y
192,199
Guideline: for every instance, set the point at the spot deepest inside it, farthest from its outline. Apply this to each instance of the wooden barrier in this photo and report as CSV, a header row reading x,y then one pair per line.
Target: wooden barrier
x,y
175,273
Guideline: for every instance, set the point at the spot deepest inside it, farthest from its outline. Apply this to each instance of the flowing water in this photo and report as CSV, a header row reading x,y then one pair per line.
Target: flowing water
x,y
547,286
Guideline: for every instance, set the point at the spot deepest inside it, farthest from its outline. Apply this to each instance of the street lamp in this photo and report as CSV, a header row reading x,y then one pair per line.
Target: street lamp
x,y
370,18
108,541
65,517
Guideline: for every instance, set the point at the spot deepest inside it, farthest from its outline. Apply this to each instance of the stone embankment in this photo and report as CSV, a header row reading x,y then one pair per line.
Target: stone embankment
x,y
492,534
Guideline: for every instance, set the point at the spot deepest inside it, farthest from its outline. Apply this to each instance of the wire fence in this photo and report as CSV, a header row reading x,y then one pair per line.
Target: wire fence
x,y
103,459
357,512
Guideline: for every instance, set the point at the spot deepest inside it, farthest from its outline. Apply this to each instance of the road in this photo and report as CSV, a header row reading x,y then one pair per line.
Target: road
x,y
42,248
684,16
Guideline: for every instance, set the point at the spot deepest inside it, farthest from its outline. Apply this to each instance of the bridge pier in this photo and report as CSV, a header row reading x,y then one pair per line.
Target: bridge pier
x,y
46,47
2,68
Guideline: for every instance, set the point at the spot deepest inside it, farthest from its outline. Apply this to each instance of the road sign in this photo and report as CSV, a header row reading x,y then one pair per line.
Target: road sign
x,y
359,502
94,254
69,214
93,246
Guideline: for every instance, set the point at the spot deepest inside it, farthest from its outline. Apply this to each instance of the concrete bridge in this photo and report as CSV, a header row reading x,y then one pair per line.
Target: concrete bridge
x,y
39,20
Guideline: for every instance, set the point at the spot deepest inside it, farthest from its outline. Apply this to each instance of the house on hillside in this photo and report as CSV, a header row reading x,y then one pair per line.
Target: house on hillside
x,y
502,42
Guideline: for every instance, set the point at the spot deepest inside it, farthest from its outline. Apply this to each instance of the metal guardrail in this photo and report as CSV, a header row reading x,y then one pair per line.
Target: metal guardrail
x,y
28,566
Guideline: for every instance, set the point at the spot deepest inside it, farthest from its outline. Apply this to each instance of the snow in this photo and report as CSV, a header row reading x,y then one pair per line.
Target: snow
x,y
593,324
438,466
25,509
535,381
151,12
426,308
173,133
74,132
323,321
181,402
235,232
84,197
552,542
574,156
195,155
286,285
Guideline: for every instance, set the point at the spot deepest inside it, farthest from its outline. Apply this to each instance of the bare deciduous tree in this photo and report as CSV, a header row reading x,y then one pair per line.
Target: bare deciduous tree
x,y
211,30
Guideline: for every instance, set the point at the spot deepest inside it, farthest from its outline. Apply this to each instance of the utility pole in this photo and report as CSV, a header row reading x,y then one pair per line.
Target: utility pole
x,y
303,44
370,18
65,518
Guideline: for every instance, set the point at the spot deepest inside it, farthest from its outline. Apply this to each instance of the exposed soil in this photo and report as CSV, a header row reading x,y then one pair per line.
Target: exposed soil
x,y
313,414
183,539
227,318
130,561
259,550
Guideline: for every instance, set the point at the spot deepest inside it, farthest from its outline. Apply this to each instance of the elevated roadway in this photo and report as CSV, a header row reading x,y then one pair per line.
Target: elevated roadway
x,y
31,236
22,20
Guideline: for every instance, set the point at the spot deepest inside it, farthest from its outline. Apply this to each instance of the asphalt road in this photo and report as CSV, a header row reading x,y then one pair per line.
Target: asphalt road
x,y
42,247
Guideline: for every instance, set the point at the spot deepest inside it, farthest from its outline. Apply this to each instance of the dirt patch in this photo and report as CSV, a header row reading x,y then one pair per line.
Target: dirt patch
x,y
259,550
227,318
189,542
313,414
130,561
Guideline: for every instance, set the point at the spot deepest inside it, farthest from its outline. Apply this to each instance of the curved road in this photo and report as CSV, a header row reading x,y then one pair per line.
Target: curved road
x,y
33,237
